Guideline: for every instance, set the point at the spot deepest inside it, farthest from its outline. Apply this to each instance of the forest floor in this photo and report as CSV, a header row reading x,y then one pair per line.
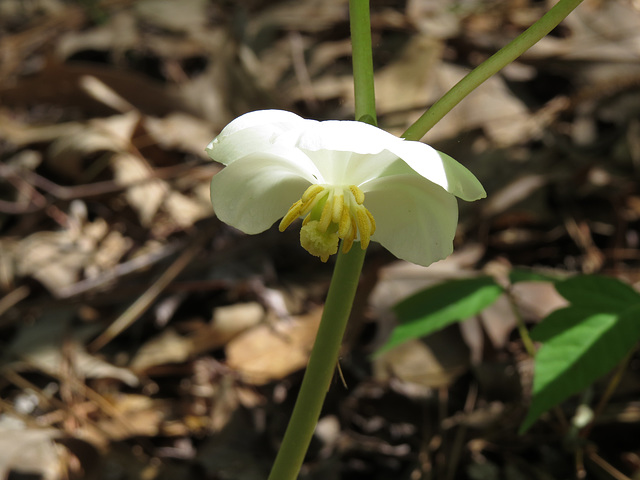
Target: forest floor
x,y
143,339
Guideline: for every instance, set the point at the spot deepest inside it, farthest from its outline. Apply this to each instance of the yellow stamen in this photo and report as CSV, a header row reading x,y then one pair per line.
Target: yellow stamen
x,y
311,192
338,207
307,205
357,194
345,223
292,214
373,222
326,216
347,242
364,227
330,214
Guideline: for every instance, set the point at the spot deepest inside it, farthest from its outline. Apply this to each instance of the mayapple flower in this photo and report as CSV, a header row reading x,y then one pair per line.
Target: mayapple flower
x,y
348,180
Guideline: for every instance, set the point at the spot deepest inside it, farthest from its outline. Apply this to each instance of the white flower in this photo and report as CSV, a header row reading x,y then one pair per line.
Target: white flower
x,y
347,179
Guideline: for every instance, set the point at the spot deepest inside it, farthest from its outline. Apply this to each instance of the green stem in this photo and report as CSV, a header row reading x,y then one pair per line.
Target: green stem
x,y
522,328
322,363
344,283
364,90
489,67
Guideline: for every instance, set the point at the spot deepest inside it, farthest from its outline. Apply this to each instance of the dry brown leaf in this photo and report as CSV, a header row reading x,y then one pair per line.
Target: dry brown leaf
x,y
434,362
167,347
536,300
31,452
40,345
58,259
491,106
180,131
266,353
607,31
407,82
436,18
59,84
138,415
67,153
117,34
295,15
185,211
184,16
145,198
227,323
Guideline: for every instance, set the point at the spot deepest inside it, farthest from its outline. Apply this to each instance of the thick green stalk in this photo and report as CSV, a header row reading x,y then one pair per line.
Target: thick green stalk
x,y
489,67
342,290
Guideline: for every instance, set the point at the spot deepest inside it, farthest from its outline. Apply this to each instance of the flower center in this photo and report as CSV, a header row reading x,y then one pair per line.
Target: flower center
x,y
331,213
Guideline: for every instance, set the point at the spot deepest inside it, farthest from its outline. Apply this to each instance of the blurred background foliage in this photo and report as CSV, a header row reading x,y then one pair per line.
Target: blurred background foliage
x,y
141,338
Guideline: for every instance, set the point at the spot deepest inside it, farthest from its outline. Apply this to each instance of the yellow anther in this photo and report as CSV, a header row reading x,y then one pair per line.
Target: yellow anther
x,y
311,192
338,207
310,198
292,214
357,194
364,227
345,223
326,216
330,214
347,242
373,222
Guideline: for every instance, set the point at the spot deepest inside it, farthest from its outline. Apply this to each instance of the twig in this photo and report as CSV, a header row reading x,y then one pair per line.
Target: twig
x,y
118,271
79,191
143,302
606,466
611,388
13,297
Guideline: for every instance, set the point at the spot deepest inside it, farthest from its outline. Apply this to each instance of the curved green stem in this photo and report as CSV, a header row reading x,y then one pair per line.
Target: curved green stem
x,y
344,283
489,67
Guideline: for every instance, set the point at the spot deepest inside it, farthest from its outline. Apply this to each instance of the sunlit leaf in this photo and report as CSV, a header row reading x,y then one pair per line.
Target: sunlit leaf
x,y
579,346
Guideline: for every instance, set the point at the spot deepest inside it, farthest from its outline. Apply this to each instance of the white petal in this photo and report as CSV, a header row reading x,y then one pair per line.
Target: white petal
x,y
254,192
415,219
371,147
249,132
348,168
340,135
346,152
439,168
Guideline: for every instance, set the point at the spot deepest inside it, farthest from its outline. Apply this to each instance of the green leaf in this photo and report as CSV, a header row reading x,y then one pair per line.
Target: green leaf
x,y
436,307
524,275
601,294
580,346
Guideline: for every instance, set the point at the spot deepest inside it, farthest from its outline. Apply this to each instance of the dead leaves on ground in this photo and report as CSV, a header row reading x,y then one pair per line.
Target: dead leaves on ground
x,y
134,325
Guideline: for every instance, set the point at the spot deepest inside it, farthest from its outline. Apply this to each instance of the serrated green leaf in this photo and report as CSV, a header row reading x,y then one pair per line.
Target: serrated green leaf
x,y
439,306
580,346
601,294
